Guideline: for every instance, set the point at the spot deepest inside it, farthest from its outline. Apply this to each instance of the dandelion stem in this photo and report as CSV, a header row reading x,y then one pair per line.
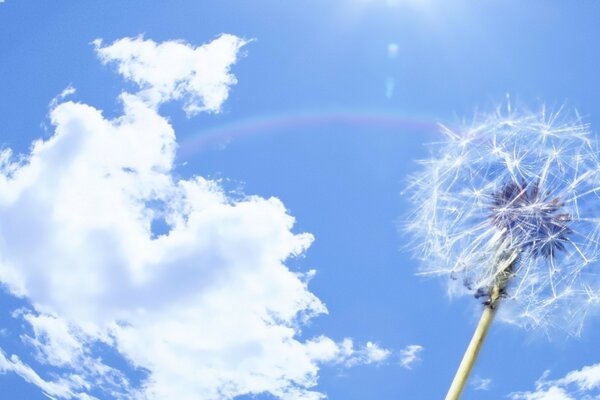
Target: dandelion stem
x,y
491,305
466,365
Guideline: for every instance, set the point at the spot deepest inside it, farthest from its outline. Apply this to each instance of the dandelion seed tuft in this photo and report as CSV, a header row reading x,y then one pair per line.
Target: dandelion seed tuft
x,y
520,183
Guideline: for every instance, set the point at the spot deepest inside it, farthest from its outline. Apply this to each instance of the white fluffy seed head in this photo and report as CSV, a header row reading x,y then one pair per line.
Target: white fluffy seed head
x,y
518,182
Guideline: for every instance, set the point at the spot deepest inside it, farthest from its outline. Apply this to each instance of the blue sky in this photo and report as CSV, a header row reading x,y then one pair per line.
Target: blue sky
x,y
331,105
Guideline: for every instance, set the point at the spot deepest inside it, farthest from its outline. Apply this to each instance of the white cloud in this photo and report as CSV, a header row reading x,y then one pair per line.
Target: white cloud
x,y
480,383
54,339
68,91
208,309
61,389
409,356
349,356
176,70
578,384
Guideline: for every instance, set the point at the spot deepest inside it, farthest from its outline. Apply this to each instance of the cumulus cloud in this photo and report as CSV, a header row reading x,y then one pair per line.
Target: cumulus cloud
x,y
206,309
170,70
410,355
578,384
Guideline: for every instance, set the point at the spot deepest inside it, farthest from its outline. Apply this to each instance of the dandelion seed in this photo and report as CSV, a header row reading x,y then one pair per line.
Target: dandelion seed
x,y
508,208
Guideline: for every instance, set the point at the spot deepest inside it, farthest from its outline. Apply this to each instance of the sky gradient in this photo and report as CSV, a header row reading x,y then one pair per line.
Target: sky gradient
x,y
212,206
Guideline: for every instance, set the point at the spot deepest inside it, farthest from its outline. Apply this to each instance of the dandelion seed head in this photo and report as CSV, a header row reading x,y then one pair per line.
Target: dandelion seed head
x,y
521,183
530,220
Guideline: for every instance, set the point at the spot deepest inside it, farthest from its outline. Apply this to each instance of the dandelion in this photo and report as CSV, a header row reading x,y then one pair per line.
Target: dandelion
x,y
508,209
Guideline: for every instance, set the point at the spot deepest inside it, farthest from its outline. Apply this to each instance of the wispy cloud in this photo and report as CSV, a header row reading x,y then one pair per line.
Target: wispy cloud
x,y
480,383
211,296
371,353
578,384
410,355
61,389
